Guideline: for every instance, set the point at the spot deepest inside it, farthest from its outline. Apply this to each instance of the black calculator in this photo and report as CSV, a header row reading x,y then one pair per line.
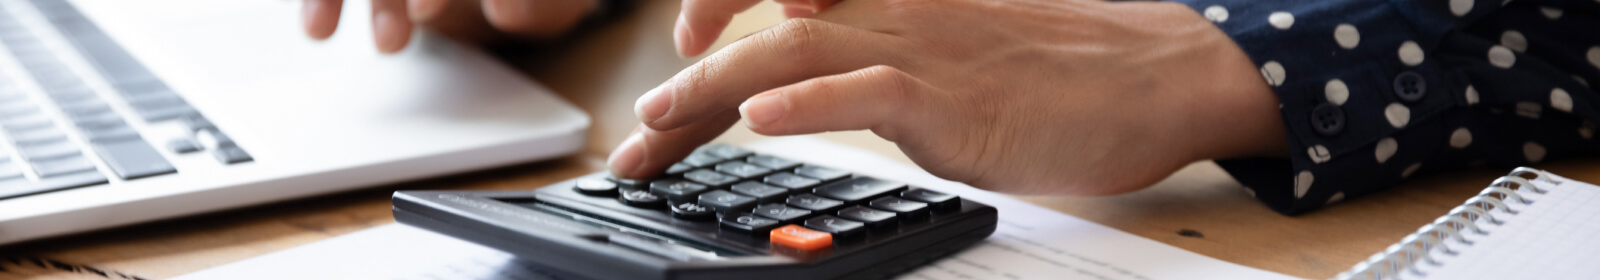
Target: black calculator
x,y
722,213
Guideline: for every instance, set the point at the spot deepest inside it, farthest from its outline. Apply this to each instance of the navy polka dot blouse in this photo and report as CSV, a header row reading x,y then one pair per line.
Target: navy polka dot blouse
x,y
1375,91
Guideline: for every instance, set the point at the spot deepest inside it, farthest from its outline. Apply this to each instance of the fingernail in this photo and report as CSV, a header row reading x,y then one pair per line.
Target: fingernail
x,y
654,104
383,26
627,157
762,110
425,9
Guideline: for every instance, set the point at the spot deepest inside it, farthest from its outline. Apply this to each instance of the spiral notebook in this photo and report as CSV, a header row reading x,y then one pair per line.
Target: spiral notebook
x,y
1529,224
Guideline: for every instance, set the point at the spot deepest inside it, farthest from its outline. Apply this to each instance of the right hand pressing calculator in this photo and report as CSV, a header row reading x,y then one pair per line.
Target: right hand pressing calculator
x,y
722,213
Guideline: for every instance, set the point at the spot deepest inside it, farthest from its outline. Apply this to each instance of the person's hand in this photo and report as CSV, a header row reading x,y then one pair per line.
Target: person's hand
x,y
465,20
1059,97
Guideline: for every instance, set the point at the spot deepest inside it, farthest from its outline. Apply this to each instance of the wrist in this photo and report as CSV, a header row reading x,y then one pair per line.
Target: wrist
x,y
1231,110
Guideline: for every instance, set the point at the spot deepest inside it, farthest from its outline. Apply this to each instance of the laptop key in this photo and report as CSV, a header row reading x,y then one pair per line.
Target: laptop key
x,y
48,150
231,154
182,146
9,170
111,134
62,166
130,159
16,188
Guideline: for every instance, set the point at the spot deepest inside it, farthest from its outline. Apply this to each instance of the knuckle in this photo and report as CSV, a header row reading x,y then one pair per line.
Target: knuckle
x,y
896,84
798,36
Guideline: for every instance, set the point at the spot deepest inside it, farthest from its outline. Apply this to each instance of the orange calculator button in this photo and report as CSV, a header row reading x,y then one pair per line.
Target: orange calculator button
x,y
798,237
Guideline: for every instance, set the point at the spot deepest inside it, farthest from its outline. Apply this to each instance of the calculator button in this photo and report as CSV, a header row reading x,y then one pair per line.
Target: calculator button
x,y
625,183
698,160
772,162
642,199
725,151
679,168
937,200
814,203
821,173
857,190
749,224
726,201
905,208
782,213
835,225
872,217
677,190
762,192
596,187
710,178
691,211
742,170
795,183
795,236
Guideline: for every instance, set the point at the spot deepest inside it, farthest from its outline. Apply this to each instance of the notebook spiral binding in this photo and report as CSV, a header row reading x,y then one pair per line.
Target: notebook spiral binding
x,y
1401,259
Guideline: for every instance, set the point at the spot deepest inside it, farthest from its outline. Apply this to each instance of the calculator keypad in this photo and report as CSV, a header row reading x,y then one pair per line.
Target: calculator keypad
x,y
795,205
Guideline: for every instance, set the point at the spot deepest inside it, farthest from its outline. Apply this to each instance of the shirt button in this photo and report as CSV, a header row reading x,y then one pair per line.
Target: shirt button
x,y
1410,87
1327,119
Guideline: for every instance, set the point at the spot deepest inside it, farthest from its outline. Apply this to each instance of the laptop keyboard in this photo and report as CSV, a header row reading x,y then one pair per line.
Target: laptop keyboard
x,y
63,132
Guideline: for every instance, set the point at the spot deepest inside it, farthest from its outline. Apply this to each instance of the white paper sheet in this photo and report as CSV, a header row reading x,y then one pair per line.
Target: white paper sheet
x,y
1031,242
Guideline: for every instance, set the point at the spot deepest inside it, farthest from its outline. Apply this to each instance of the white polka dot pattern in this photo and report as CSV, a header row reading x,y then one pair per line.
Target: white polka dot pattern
x,y
1461,7
1336,92
1594,56
1472,95
1302,183
1513,39
1274,73
1586,131
1336,198
1347,36
1216,14
1410,53
1412,169
1398,115
1461,138
1281,20
1533,151
1502,57
1319,154
1581,81
1386,149
1551,13
1560,100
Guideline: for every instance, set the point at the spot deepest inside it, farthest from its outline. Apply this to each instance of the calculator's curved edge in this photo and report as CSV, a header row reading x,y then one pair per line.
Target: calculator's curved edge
x,y
567,254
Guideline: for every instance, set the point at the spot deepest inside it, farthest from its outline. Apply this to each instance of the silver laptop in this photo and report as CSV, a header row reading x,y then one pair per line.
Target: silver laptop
x,y
115,112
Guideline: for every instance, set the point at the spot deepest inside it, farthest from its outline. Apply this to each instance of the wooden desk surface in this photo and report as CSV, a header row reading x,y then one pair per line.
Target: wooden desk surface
x,y
604,72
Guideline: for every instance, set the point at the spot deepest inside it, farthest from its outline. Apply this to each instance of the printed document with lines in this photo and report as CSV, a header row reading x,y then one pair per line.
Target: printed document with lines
x,y
1031,242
